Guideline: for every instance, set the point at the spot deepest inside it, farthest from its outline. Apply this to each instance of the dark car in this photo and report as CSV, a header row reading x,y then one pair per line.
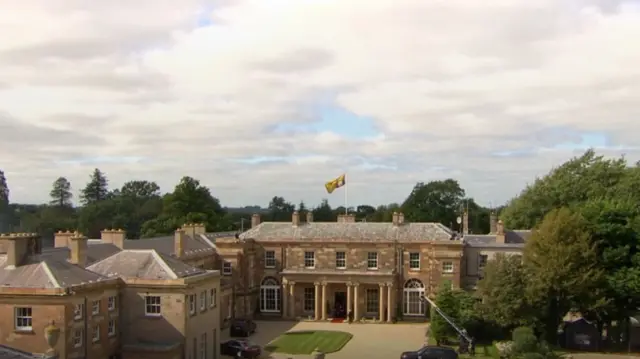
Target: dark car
x,y
241,348
242,327
431,352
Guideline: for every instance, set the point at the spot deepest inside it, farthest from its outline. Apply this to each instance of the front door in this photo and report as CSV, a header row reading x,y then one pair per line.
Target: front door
x,y
340,305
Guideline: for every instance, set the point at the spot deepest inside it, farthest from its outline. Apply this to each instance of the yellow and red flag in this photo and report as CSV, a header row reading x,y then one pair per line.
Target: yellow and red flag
x,y
336,183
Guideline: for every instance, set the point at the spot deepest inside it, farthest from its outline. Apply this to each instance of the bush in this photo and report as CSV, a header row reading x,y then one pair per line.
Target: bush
x,y
524,340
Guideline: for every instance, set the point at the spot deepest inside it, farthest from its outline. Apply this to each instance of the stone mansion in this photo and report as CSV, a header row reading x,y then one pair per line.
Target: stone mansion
x,y
169,297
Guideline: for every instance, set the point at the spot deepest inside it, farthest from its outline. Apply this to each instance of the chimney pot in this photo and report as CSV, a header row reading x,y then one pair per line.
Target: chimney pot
x,y
17,248
394,218
61,239
400,218
78,249
255,220
114,237
295,219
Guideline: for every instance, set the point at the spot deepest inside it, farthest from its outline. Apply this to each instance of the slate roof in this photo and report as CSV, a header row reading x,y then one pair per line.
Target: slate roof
x,y
42,272
355,231
512,238
7,352
95,251
144,264
166,244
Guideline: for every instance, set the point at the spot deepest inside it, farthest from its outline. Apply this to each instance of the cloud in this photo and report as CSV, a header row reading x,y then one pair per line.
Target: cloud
x,y
492,94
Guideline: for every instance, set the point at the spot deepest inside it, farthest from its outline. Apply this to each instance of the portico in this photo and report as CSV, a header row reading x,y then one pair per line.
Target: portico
x,y
323,297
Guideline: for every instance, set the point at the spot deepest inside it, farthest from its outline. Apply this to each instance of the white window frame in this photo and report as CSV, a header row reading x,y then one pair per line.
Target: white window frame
x,y
309,259
111,303
78,311
341,263
270,293
309,299
482,260
372,260
447,267
23,319
227,269
203,346
414,263
95,334
111,328
213,294
412,304
77,338
203,301
372,300
192,304
95,307
153,306
270,259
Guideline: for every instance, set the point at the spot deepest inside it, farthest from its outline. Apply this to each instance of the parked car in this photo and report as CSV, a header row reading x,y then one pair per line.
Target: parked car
x,y
240,348
431,352
242,327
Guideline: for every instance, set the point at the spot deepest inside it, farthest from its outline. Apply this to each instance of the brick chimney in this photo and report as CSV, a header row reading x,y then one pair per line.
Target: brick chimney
x,y
78,249
178,243
309,217
465,222
500,235
194,229
17,247
394,218
493,223
346,218
61,239
255,220
113,236
295,219
400,218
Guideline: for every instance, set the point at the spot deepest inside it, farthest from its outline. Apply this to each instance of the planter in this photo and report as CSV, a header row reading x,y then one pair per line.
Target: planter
x,y
51,335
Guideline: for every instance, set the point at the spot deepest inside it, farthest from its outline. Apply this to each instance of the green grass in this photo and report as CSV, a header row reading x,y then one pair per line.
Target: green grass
x,y
305,342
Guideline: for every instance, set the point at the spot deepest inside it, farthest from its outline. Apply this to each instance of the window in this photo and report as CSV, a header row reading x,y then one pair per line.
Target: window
x,y
309,299
203,346
203,301
372,260
482,260
447,267
192,304
78,311
341,260
111,303
213,299
414,260
95,307
372,300
270,259
24,319
226,268
309,259
269,295
77,338
111,331
412,298
95,333
152,306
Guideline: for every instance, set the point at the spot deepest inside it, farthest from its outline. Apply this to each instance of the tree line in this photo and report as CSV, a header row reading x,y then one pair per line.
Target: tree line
x,y
143,211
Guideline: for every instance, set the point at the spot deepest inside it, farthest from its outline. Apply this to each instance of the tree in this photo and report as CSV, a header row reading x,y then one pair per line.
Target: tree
x,y
458,306
561,265
61,193
324,213
140,190
280,210
501,290
436,201
4,191
96,190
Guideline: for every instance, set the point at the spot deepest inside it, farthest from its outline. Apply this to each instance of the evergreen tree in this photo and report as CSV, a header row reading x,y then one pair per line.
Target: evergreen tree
x,y
61,193
96,190
4,191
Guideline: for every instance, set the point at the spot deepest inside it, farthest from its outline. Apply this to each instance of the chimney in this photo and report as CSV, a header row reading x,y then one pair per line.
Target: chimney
x,y
178,243
346,218
493,223
394,218
400,218
309,217
465,222
199,228
500,237
113,236
17,247
255,220
78,249
295,218
189,229
61,239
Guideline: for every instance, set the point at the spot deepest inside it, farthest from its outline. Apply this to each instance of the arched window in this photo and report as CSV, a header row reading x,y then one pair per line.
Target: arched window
x,y
270,295
411,298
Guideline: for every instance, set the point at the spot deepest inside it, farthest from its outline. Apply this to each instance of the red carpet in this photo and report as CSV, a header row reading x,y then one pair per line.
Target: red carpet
x,y
337,320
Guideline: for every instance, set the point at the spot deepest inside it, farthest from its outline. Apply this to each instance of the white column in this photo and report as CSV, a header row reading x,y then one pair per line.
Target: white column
x,y
292,299
389,301
356,302
349,305
284,299
381,301
324,301
317,300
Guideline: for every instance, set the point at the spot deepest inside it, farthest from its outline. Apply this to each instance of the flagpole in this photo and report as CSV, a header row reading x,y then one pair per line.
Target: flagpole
x,y
346,203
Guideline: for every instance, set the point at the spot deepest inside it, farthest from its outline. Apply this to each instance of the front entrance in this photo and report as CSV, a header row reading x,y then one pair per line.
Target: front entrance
x,y
340,305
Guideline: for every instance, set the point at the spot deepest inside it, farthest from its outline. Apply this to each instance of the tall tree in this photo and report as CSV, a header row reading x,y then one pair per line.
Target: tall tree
x,y
436,201
96,190
324,213
280,210
140,190
4,191
61,193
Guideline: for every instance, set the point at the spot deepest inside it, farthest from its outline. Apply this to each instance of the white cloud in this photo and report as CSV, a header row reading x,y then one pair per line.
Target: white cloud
x,y
141,91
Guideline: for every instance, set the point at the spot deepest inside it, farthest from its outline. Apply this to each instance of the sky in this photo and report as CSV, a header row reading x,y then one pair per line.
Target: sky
x,y
275,97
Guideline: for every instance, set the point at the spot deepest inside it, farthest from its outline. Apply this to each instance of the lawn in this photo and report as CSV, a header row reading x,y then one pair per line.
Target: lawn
x,y
305,342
